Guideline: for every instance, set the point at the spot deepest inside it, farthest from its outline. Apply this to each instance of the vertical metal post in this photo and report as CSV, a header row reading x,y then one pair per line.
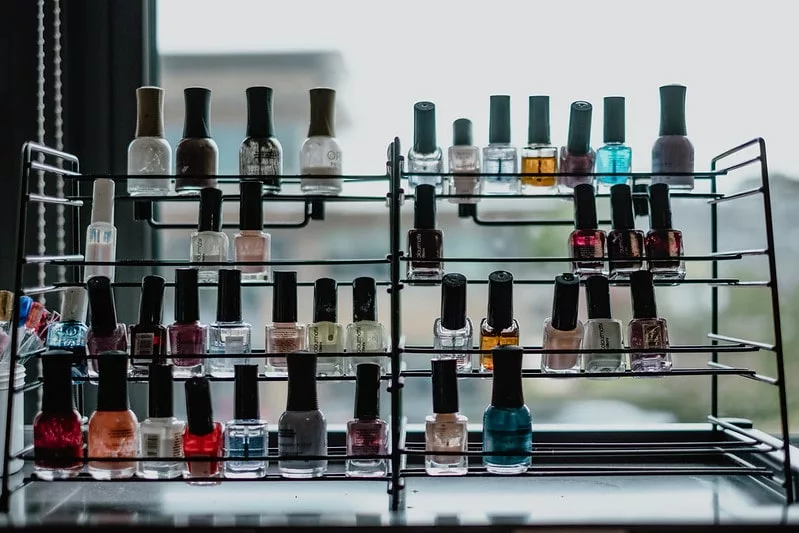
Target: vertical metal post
x,y
714,296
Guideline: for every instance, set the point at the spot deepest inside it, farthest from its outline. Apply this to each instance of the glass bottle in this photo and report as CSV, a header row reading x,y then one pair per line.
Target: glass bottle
x,y
367,434
499,328
646,330
161,433
203,436
587,241
246,435
577,157
625,243
500,156
664,246
614,157
425,242
539,157
320,155
197,156
562,331
601,332
251,244
101,235
284,334
464,160
228,335
446,429
105,334
209,244
425,159
70,333
365,334
454,330
148,342
672,152
187,336
261,154
149,153
325,334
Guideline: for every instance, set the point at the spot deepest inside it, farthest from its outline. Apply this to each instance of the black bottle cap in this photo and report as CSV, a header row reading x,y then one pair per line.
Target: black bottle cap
x,y
621,207
160,391
251,205
424,207
500,299
506,391
462,132
565,302
210,209
246,404
424,127
325,300
597,297
187,304
151,304
302,382
640,200
284,297
445,385
453,301
323,112
614,120
364,299
197,124
584,207
259,112
199,410
538,120
659,206
579,141
112,389
499,119
367,391
672,110
643,294
101,303
57,381
228,295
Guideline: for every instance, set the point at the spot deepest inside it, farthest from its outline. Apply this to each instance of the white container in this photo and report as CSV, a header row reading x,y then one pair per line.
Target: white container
x,y
18,422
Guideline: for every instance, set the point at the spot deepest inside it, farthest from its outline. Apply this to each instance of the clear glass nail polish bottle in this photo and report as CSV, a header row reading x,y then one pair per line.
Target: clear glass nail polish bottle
x,y
161,434
367,434
325,334
500,157
260,153
673,151
188,338
246,435
209,244
499,328
149,154
148,342
70,333
539,157
577,157
601,332
587,241
454,330
425,242
105,333
664,244
646,330
320,155
563,331
625,243
614,157
284,334
196,155
464,160
101,235
425,159
204,437
251,243
228,335
446,429
365,335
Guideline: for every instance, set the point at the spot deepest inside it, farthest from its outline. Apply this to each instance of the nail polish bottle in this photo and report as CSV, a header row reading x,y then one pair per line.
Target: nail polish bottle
x,y
203,438
587,241
367,434
507,424
284,334
302,428
113,428
425,158
228,335
625,243
672,151
187,336
539,156
197,156
577,157
425,242
161,433
614,157
325,334
57,431
464,159
149,154
246,435
500,156
454,330
563,331
148,337
446,429
251,243
70,333
365,334
320,155
664,246
101,235
261,154
601,332
499,327
209,244
105,333
646,330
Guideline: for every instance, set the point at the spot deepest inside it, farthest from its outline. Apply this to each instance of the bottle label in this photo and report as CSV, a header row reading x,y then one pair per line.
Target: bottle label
x,y
265,164
325,339
144,344
208,250
234,344
425,245
367,440
284,340
651,336
289,443
155,444
116,442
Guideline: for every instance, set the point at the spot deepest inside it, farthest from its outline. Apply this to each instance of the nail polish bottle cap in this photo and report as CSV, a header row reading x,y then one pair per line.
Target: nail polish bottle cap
x,y
424,207
103,201
325,300
323,113
364,300
621,207
499,119
246,405
57,381
74,303
584,207
538,120
112,389
25,306
640,200
199,411
500,300
150,112
565,302
614,119
228,295
643,294
462,132
579,142
597,297
197,124
506,391
659,207
101,303
210,209
672,110
284,297
152,300
187,305
251,205
259,112
367,391
302,382
445,386
160,391
453,301
424,127
6,305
